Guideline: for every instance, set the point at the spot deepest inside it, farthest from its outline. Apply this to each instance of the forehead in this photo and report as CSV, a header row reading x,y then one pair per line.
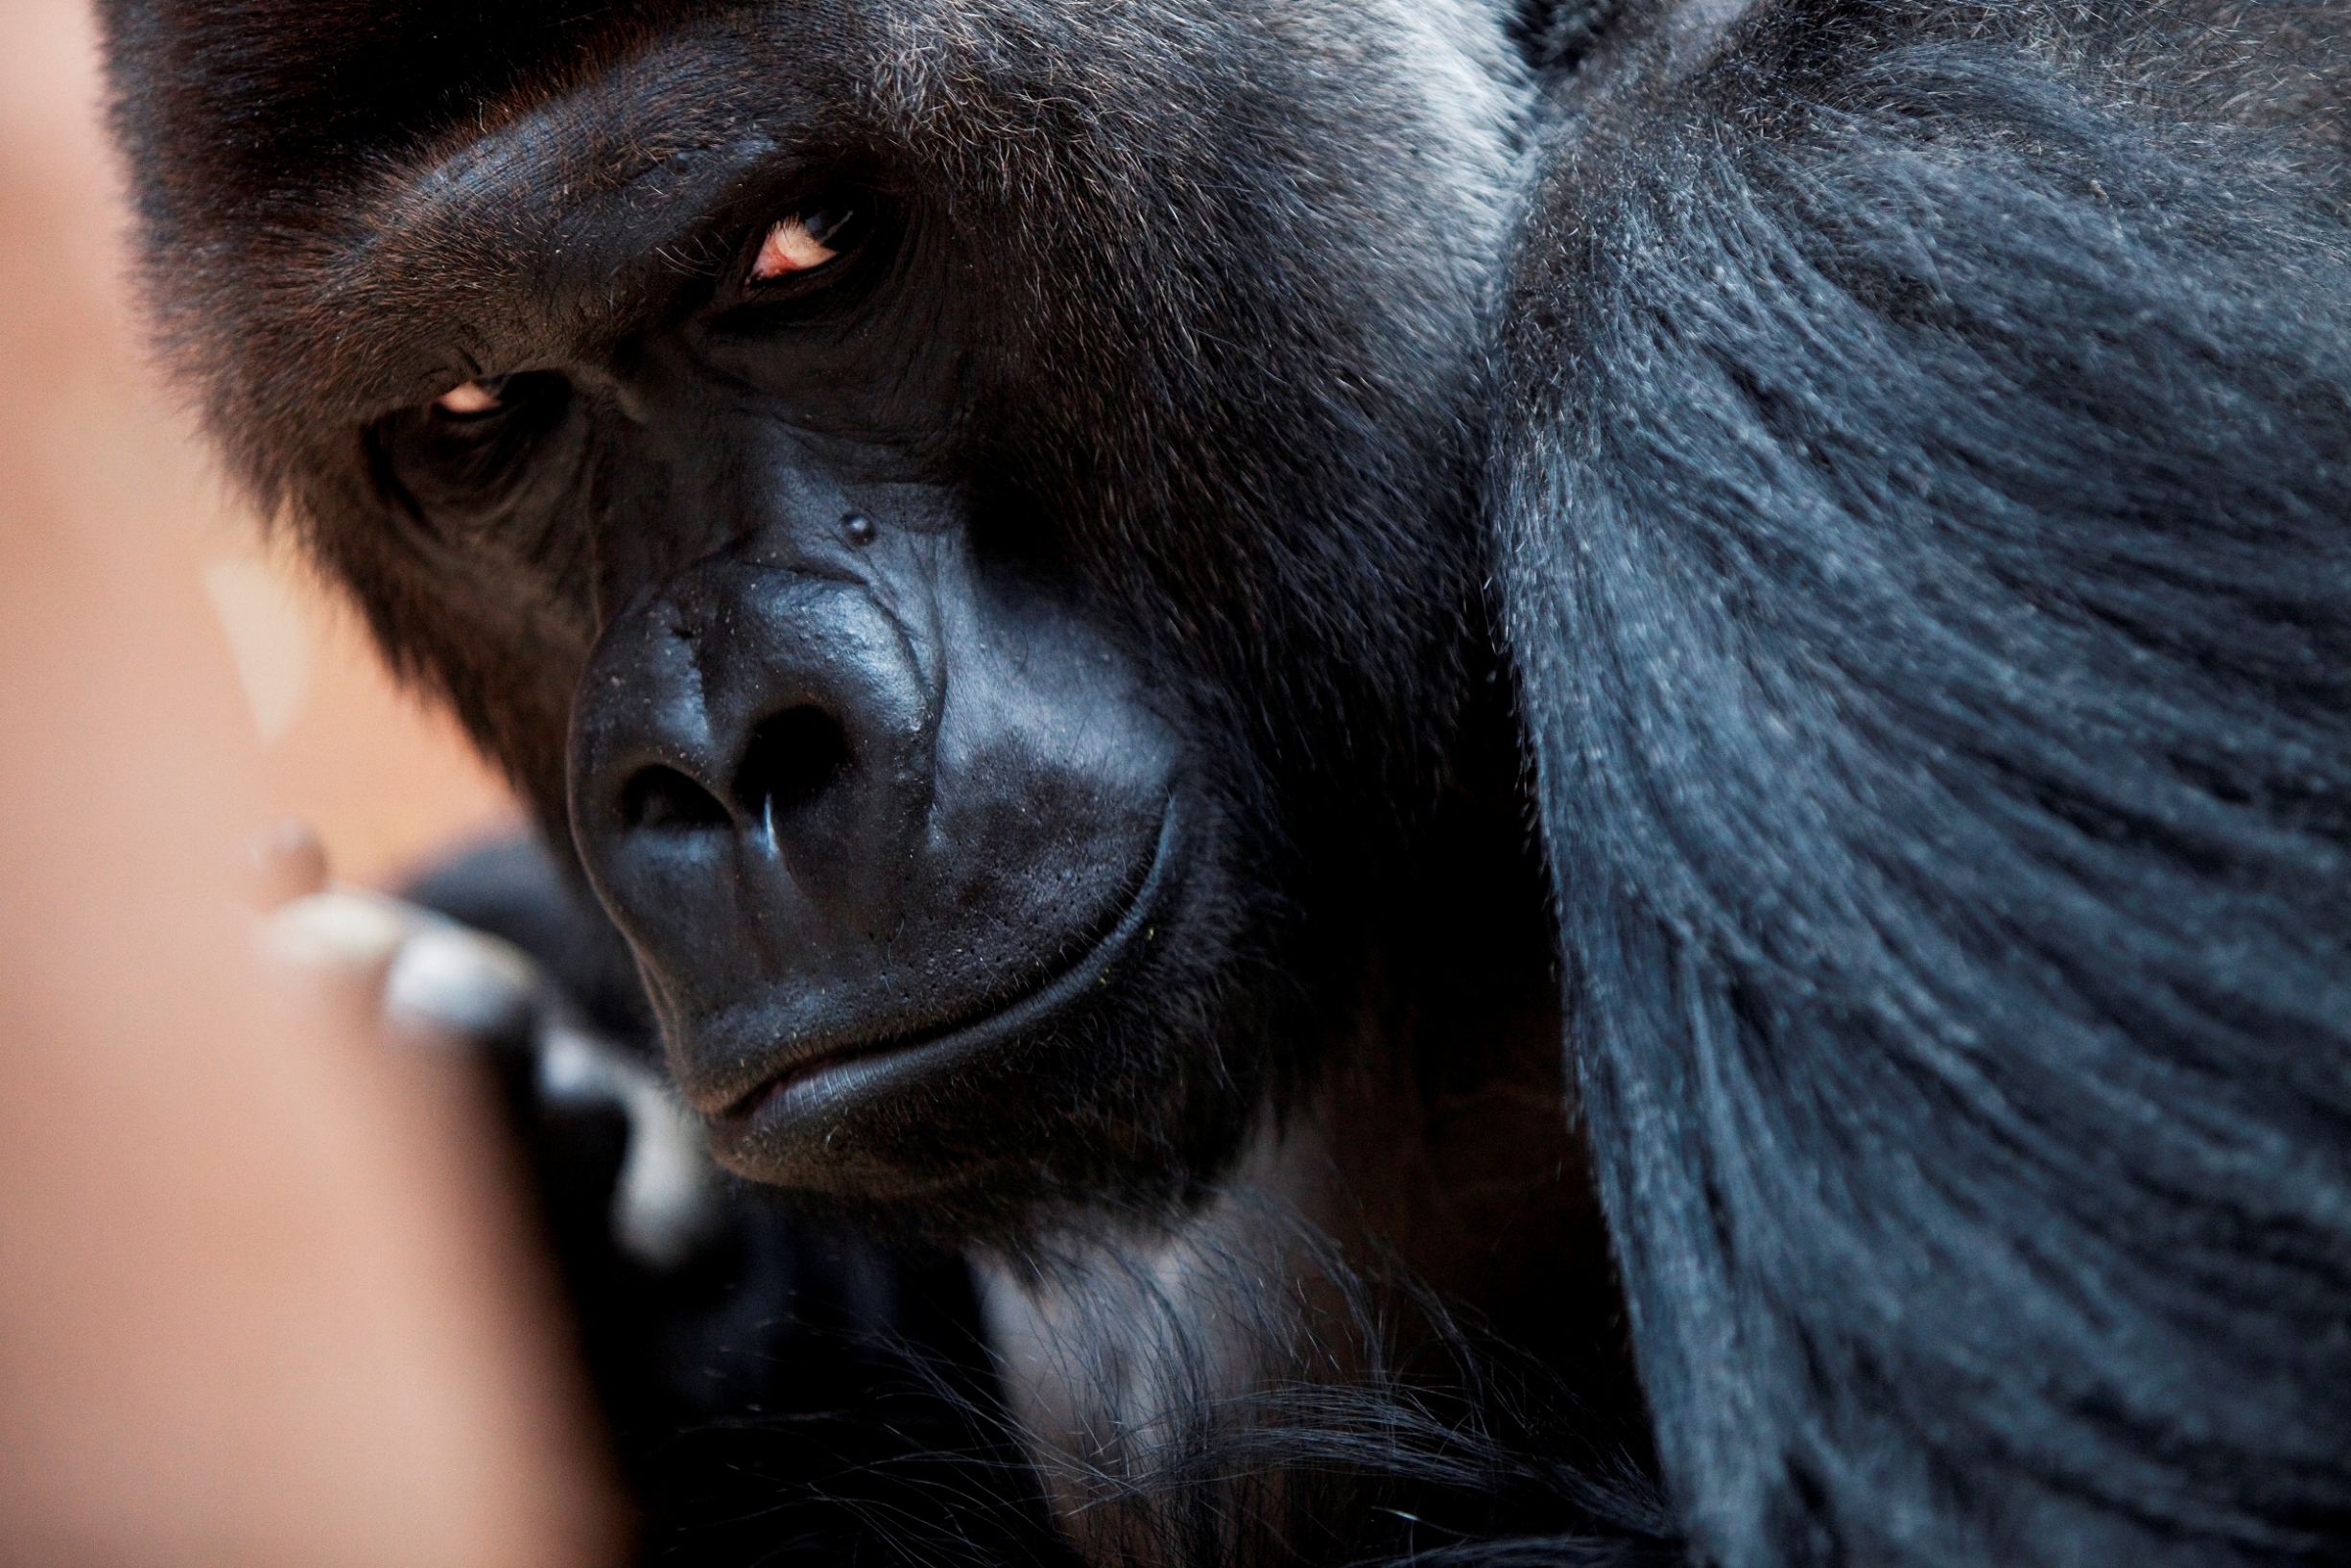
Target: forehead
x,y
282,94
348,203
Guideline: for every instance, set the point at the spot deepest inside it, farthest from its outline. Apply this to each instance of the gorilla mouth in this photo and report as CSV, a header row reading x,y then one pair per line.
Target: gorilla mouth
x,y
809,1086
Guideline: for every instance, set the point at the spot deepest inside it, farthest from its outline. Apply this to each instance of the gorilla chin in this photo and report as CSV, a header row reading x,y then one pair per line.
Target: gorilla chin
x,y
892,1121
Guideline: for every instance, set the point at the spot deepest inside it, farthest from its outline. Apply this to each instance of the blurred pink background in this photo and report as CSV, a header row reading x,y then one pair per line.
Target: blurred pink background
x,y
266,1299
88,432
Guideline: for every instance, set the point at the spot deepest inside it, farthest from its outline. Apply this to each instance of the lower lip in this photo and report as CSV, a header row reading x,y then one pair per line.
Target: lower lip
x,y
819,1089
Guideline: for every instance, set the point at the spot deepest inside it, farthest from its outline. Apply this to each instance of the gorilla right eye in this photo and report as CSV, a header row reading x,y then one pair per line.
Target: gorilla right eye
x,y
475,399
806,241
468,446
811,248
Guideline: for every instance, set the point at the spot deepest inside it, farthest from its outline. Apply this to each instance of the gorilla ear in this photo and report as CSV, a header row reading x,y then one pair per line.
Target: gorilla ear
x,y
1556,35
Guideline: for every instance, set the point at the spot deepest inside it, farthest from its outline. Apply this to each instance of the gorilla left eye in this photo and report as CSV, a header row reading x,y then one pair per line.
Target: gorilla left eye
x,y
808,240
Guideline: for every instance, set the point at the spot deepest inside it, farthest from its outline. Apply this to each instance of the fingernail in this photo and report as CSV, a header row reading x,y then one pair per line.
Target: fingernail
x,y
459,981
332,931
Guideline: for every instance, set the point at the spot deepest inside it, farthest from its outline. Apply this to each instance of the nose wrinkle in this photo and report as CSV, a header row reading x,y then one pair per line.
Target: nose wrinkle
x,y
795,642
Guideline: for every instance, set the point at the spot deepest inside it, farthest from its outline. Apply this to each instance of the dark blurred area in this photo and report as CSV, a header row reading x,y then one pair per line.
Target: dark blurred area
x,y
774,1391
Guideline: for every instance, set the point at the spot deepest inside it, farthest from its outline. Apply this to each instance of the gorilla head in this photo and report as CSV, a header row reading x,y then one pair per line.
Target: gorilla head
x,y
960,509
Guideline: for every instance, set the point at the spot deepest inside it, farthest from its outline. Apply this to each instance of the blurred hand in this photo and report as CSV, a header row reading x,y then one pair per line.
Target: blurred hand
x,y
424,982
419,977
266,1295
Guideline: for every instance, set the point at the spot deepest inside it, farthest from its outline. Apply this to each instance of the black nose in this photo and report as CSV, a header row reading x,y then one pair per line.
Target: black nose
x,y
761,729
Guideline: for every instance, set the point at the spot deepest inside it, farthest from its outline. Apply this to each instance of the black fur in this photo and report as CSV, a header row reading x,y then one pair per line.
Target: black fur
x,y
1913,450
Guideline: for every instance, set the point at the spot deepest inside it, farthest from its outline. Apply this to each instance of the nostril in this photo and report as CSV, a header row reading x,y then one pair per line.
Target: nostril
x,y
665,798
793,759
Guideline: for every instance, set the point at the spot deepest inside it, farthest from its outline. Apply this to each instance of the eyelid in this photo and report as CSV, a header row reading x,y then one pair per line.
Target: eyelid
x,y
791,246
816,240
473,400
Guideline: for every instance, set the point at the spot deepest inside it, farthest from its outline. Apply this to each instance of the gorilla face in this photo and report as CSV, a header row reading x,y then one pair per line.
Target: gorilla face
x,y
925,495
886,817
883,822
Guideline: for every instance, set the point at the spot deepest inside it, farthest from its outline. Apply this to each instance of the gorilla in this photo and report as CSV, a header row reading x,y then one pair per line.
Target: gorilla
x,y
1440,779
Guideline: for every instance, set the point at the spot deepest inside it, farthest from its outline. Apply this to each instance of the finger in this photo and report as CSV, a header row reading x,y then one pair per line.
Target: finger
x,y
284,861
345,938
448,982
427,979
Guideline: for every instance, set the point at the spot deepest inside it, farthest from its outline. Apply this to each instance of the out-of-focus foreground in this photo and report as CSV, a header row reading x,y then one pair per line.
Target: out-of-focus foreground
x,y
260,1302
90,441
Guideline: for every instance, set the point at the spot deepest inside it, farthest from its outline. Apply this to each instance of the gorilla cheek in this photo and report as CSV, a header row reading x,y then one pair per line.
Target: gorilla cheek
x,y
895,850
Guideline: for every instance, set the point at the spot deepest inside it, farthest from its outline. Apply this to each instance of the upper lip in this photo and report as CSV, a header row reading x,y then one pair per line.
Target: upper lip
x,y
1008,1015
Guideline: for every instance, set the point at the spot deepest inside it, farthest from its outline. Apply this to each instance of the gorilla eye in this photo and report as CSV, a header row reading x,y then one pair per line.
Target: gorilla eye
x,y
807,240
474,399
471,443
